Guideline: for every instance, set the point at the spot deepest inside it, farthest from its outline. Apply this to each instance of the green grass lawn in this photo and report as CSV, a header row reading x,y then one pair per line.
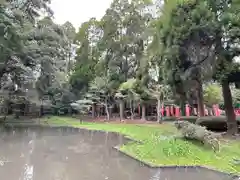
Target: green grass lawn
x,y
158,148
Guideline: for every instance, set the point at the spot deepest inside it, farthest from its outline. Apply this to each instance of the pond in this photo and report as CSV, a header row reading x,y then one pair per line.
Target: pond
x,y
41,153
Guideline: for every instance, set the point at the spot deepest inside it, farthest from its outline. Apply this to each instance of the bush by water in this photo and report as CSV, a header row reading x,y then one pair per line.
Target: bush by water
x,y
201,134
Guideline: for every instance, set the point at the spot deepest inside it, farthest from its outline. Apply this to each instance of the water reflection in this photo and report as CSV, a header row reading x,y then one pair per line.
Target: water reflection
x,y
60,154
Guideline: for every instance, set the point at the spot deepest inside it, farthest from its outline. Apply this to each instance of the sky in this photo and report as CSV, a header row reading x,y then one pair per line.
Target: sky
x,y
78,11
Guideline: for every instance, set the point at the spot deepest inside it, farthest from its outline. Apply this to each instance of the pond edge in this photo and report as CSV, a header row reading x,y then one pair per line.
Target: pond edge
x,y
118,148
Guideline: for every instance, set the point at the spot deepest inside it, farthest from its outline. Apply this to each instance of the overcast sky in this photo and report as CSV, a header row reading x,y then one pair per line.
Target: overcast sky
x,y
78,11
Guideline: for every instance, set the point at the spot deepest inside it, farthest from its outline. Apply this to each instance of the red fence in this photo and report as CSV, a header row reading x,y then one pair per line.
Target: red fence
x,y
237,112
175,111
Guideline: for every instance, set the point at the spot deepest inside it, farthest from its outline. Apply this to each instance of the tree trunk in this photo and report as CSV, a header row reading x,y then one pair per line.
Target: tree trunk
x,y
41,109
200,99
159,111
110,111
132,110
143,111
107,112
182,106
121,109
230,114
94,110
182,97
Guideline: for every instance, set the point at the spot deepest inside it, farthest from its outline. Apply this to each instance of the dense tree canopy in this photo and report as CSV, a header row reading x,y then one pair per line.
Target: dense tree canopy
x,y
33,50
138,53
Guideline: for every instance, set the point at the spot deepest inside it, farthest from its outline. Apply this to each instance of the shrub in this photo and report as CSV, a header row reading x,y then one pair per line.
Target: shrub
x,y
195,132
191,119
169,118
217,123
151,118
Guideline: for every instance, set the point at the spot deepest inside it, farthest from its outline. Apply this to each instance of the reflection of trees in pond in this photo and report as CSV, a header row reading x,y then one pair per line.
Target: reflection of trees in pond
x,y
81,148
156,175
57,171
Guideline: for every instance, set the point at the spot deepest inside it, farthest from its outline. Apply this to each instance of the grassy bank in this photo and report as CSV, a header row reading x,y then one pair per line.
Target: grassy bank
x,y
158,148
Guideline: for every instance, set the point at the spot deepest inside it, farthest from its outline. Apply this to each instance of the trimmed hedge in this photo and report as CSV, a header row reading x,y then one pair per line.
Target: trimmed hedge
x,y
58,110
198,133
217,123
191,119
169,118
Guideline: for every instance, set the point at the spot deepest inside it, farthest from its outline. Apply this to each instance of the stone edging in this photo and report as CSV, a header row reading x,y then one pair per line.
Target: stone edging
x,y
118,148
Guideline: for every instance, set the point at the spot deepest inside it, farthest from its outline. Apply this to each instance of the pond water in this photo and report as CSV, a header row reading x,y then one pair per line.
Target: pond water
x,y
71,154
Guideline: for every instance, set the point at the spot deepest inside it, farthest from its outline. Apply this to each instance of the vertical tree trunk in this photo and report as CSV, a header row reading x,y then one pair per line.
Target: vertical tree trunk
x,y
230,114
121,109
182,97
110,111
94,110
159,111
107,112
143,111
70,111
191,110
182,106
132,110
200,99
41,109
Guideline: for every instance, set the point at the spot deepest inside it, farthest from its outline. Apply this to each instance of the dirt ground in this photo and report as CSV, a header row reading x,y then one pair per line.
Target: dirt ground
x,y
117,120
140,121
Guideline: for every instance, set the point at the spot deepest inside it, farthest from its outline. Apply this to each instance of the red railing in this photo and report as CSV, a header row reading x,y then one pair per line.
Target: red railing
x,y
237,112
175,111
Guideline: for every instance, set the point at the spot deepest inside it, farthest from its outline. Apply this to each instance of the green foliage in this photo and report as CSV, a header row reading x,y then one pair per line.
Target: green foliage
x,y
181,54
200,134
126,52
87,56
184,26
126,90
100,92
16,30
53,60
170,118
191,119
80,78
160,146
82,106
127,85
140,90
34,47
235,95
196,40
229,25
212,94
114,48
218,123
